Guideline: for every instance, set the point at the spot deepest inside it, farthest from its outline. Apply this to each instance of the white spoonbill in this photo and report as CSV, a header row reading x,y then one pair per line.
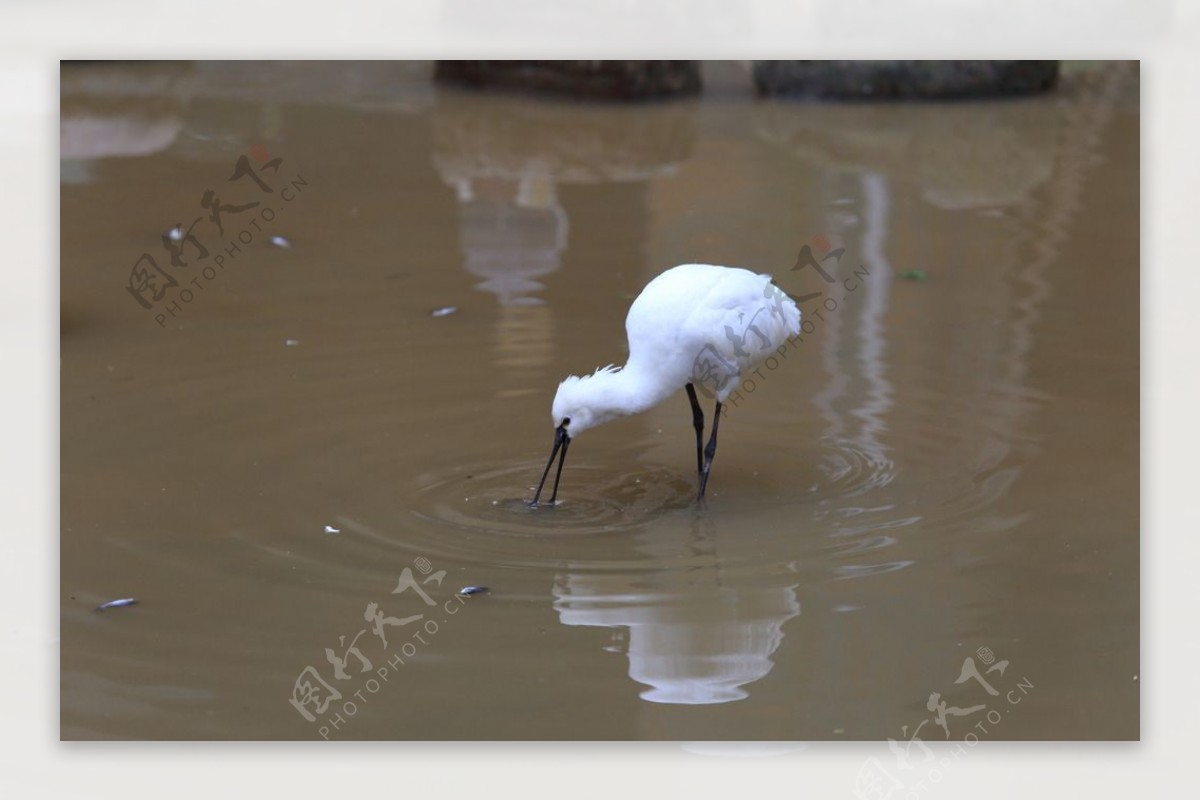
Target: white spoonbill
x,y
693,324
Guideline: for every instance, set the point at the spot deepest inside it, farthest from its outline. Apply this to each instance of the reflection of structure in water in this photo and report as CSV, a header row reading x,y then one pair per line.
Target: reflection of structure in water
x,y
505,158
511,233
1031,165
962,156
113,110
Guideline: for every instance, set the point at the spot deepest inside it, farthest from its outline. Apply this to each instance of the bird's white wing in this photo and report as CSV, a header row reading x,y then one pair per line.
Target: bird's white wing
x,y
741,322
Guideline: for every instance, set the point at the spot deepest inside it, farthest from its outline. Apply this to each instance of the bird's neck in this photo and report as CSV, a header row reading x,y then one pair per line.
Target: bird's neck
x,y
634,388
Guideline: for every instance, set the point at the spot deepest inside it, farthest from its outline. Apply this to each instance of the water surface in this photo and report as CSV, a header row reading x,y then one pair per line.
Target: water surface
x,y
302,457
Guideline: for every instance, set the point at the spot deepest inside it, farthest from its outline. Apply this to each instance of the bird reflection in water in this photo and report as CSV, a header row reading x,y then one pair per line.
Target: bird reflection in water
x,y
698,635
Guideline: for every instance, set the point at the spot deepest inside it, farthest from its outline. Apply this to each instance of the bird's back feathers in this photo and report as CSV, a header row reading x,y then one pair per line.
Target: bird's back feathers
x,y
709,324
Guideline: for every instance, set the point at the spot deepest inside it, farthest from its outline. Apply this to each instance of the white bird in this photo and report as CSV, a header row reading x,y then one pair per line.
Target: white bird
x,y
693,324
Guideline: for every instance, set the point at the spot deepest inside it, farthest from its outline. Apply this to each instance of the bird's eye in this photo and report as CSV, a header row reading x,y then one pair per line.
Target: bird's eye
x,y
566,422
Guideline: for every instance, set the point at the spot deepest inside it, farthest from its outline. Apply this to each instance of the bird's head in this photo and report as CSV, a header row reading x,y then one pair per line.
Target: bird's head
x,y
579,404
584,401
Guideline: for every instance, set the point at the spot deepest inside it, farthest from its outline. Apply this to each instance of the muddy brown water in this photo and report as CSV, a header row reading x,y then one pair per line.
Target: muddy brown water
x,y
931,498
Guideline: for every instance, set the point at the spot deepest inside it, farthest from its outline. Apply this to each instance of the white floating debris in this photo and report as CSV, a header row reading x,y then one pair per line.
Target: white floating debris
x,y
117,604
471,590
332,530
291,342
444,311
280,242
175,234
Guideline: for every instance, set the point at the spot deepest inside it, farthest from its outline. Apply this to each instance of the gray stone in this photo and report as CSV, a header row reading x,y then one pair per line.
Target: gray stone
x,y
850,80
618,80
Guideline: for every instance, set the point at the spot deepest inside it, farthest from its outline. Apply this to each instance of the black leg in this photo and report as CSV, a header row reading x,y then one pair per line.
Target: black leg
x,y
709,453
698,422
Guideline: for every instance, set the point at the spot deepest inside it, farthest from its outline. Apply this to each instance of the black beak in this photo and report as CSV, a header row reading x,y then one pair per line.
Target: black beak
x,y
561,440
